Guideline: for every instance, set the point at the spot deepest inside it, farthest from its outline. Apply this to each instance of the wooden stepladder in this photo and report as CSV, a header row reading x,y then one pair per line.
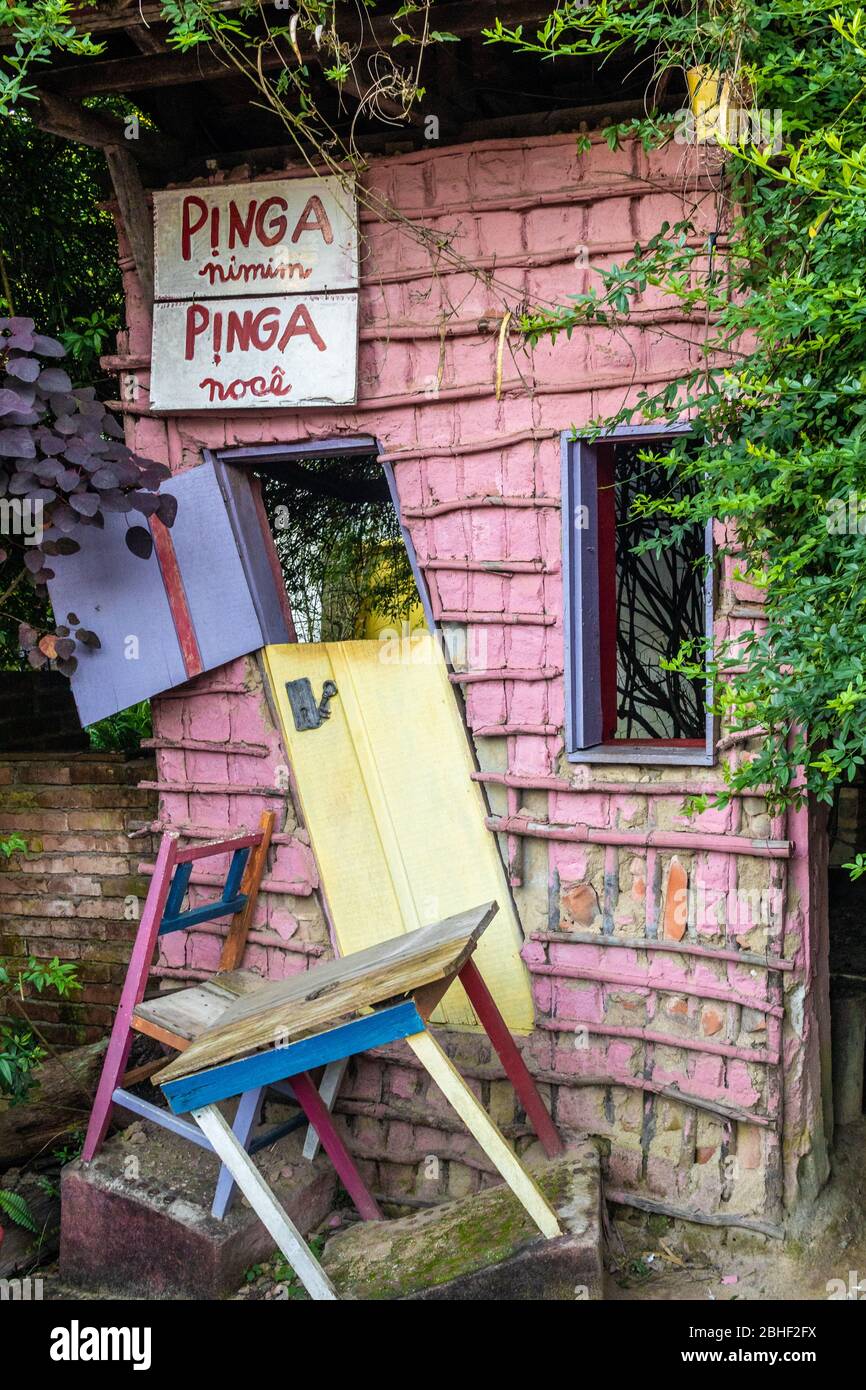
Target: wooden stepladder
x,y
162,914
178,1017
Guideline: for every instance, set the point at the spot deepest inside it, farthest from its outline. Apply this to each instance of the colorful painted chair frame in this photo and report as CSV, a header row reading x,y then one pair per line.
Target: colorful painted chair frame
x,y
302,1024
162,914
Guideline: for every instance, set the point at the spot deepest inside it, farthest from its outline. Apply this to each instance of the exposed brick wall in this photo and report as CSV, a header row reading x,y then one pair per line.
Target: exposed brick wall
x,y
76,893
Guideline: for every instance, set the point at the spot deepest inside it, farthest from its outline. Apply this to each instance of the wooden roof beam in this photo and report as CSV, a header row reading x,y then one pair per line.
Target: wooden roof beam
x,y
101,76
58,116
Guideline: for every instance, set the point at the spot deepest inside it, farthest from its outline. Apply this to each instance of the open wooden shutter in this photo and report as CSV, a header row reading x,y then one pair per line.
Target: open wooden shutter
x,y
203,597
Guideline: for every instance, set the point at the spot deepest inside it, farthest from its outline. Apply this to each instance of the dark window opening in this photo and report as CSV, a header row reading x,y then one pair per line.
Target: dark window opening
x,y
653,600
628,614
340,547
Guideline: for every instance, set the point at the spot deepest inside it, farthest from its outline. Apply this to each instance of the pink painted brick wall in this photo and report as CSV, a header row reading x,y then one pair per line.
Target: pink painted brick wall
x,y
520,208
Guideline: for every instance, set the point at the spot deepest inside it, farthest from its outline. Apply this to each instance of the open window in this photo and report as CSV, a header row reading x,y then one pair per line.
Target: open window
x,y
627,613
344,564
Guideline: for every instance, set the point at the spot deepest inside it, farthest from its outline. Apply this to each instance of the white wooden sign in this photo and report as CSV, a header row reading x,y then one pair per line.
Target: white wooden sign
x,y
281,236
261,353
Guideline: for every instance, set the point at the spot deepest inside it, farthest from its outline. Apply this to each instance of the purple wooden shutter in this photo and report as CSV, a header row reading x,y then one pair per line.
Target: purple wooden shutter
x,y
583,710
129,602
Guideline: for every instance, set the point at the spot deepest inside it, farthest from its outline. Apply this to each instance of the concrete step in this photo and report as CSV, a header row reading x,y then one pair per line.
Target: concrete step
x,y
136,1220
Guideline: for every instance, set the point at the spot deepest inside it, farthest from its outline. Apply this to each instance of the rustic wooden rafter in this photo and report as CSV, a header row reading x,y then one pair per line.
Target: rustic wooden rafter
x,y
135,212
59,116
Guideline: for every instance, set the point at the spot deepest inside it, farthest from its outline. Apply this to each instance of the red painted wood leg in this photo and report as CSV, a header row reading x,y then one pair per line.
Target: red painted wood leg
x,y
516,1069
317,1113
133,992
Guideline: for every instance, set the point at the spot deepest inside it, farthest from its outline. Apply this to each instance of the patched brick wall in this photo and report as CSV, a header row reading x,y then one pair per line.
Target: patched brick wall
x,y
76,892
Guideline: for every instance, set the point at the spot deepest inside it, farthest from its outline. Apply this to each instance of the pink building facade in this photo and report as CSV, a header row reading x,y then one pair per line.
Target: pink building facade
x,y
678,963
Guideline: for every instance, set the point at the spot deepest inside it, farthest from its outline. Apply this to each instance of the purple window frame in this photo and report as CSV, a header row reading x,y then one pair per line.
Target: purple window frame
x,y
583,712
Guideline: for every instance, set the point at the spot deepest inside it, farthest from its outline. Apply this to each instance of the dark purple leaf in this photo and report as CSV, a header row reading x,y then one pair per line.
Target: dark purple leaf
x,y
12,400
17,443
68,478
20,484
63,405
66,424
63,517
88,638
23,417
53,379
24,368
48,470
51,443
85,503
116,502
105,478
144,502
43,494
153,474
66,546
140,542
78,451
73,618
34,560
22,341
127,473
36,658
167,509
64,646
68,666
47,347
41,577
112,427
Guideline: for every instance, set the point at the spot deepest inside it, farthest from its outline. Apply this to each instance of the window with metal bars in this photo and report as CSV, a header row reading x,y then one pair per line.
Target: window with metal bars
x,y
627,610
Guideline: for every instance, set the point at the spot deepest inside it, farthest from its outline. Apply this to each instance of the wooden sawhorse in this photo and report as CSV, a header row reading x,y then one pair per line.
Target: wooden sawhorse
x,y
336,1010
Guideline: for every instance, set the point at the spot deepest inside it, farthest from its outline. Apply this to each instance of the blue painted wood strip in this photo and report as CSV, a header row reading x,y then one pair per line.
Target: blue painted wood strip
x,y
218,1083
206,913
278,1132
235,874
177,892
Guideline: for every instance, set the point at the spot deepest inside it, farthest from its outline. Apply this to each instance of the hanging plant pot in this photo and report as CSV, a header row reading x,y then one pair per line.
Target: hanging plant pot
x,y
709,97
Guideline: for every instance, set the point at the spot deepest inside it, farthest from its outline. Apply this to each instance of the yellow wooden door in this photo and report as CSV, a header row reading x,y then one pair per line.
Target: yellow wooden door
x,y
395,821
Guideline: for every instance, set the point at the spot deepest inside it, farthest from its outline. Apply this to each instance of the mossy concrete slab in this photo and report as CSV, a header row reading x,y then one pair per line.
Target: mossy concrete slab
x,y
482,1247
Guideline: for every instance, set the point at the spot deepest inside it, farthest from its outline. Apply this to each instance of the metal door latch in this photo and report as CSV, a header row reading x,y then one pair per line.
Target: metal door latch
x,y
305,712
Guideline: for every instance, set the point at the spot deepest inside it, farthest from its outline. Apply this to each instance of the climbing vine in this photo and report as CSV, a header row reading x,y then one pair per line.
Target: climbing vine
x,y
776,389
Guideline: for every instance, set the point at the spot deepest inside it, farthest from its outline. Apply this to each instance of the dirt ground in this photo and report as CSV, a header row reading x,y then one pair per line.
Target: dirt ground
x,y
657,1259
